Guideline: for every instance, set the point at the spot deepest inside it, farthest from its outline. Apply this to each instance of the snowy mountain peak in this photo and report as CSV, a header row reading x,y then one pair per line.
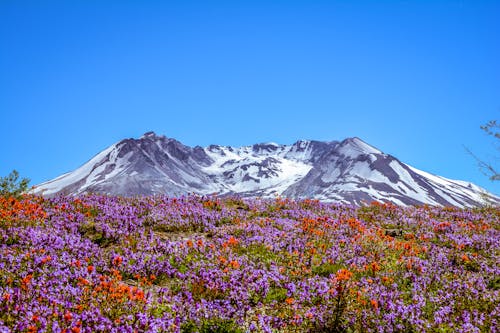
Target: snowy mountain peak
x,y
151,135
302,144
266,147
355,146
350,171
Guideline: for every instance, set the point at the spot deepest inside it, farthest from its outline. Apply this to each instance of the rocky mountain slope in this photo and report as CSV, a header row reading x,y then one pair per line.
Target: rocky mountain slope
x,y
348,171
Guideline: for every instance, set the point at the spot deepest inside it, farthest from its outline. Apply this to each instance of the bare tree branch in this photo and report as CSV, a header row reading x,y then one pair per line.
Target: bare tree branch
x,y
491,125
487,169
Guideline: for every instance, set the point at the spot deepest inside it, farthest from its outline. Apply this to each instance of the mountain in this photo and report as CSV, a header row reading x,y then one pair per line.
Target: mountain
x,y
349,171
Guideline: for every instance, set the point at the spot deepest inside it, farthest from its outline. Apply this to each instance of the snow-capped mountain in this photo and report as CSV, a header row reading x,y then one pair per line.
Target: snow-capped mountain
x,y
348,171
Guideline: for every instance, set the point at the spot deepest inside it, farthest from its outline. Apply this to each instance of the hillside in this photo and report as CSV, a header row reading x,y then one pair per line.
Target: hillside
x,y
205,264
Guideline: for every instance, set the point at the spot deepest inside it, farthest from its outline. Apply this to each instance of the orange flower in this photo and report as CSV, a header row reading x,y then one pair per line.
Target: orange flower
x,y
289,301
232,241
374,303
235,264
90,268
46,259
222,259
189,243
343,275
25,281
386,279
82,281
375,267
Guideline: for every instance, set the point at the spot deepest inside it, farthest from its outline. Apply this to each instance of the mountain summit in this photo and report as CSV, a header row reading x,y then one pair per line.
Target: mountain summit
x,y
349,171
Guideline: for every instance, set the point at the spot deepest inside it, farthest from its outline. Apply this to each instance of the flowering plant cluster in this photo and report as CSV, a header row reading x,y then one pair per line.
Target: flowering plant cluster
x,y
206,264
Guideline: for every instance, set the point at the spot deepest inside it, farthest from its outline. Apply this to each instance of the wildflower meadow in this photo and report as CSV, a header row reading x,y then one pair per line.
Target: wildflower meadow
x,y
206,264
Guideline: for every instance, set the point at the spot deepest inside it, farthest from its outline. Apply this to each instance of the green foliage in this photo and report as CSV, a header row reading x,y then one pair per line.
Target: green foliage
x,y
326,269
258,253
90,230
276,294
494,283
12,186
213,325
236,203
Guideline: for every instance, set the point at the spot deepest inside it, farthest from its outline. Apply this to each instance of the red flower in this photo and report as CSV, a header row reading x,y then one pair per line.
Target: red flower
x,y
117,261
46,259
68,316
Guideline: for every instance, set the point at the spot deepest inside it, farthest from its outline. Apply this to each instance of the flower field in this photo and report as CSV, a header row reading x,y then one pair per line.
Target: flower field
x,y
207,264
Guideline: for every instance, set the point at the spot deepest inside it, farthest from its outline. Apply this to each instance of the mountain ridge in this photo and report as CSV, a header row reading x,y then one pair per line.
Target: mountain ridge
x,y
349,171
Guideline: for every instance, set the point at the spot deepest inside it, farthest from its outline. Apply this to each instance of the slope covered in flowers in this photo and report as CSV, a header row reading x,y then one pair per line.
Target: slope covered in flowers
x,y
204,264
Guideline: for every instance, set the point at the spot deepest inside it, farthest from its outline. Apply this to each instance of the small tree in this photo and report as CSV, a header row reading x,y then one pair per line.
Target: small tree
x,y
491,128
11,185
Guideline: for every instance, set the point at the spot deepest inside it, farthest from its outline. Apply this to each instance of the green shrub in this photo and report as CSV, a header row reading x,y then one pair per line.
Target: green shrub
x,y
12,186
212,325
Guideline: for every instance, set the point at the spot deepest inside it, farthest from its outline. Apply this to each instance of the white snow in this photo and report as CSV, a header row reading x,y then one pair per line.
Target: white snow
x,y
366,148
55,185
362,169
355,147
411,187
300,151
289,168
445,185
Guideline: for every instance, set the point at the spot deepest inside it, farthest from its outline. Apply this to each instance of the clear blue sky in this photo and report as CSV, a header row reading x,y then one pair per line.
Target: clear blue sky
x,y
414,78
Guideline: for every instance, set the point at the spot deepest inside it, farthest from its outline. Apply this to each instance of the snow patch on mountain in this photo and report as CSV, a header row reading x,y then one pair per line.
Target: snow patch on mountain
x,y
83,172
249,168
